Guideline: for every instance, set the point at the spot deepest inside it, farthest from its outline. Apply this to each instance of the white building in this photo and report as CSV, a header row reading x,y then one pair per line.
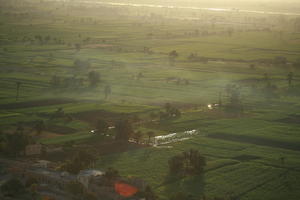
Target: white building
x,y
85,176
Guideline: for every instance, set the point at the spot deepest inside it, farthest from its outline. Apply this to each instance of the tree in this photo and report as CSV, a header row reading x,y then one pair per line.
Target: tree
x,y
58,113
186,81
188,163
33,190
252,66
172,56
290,78
111,175
123,130
266,77
55,81
94,78
149,194
81,160
235,104
15,143
13,187
220,99
77,47
137,136
181,196
150,135
194,162
153,115
280,60
171,112
18,89
81,64
84,159
101,126
175,164
168,107
75,188
39,127
282,160
107,91
234,96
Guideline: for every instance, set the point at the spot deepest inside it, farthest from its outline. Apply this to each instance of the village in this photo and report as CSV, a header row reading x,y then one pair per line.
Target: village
x,y
44,181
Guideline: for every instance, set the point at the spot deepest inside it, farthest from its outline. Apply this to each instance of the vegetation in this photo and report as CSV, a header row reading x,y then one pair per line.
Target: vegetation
x,y
189,163
15,189
80,161
130,73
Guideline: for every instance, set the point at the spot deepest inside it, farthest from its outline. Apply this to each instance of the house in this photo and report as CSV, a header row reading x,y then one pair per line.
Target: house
x,y
33,149
42,164
85,176
50,178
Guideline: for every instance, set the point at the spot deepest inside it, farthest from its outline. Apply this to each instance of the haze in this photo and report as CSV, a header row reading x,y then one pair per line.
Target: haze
x,y
149,100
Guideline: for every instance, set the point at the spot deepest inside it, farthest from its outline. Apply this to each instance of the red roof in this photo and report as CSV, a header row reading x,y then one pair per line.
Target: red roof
x,y
125,190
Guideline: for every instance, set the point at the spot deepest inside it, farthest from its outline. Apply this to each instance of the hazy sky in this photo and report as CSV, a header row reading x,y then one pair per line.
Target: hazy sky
x,y
292,5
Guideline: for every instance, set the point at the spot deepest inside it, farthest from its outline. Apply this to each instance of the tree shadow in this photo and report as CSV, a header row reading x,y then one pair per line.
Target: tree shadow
x,y
192,186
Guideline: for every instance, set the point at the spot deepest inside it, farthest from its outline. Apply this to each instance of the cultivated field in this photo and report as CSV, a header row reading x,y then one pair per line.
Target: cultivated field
x,y
251,154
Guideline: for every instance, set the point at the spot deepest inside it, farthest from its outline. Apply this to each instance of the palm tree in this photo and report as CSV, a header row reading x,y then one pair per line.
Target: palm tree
x,y
101,126
149,194
18,89
94,78
176,165
39,127
123,130
172,56
188,163
107,91
150,135
290,78
137,136
110,175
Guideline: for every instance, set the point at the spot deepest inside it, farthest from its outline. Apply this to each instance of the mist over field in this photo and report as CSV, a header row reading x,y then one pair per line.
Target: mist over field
x,y
262,5
149,100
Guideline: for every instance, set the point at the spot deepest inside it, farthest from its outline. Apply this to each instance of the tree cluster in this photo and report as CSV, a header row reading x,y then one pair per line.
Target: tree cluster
x,y
123,130
73,82
193,57
101,126
66,82
80,161
235,103
110,176
81,64
172,56
15,189
170,112
188,163
14,144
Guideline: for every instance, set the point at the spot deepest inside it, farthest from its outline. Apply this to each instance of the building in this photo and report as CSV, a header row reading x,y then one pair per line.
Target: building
x,y
33,149
85,176
43,164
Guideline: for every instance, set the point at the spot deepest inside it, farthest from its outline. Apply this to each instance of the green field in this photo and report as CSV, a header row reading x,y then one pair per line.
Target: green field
x,y
130,50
